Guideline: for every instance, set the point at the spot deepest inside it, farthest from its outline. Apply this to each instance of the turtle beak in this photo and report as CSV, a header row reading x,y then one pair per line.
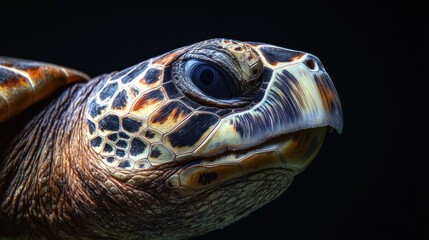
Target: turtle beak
x,y
300,80
299,95
314,104
315,97
284,130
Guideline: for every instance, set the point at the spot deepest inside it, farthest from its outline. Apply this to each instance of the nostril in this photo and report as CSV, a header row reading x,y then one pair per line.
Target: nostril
x,y
312,65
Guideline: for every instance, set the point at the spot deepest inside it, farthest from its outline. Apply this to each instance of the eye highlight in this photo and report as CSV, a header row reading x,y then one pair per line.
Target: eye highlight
x,y
210,79
219,74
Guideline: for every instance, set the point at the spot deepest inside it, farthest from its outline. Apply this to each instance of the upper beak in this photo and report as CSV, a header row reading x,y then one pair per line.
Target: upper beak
x,y
299,95
316,96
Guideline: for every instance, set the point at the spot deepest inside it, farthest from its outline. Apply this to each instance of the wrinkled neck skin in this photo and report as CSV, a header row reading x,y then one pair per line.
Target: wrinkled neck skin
x,y
52,185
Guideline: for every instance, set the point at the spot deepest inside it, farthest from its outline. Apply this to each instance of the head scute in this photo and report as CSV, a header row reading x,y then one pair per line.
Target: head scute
x,y
249,62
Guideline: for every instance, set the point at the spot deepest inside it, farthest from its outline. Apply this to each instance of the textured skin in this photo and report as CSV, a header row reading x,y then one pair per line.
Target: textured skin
x,y
143,153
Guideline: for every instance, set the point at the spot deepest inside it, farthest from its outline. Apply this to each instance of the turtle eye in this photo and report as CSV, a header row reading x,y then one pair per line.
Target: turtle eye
x,y
210,79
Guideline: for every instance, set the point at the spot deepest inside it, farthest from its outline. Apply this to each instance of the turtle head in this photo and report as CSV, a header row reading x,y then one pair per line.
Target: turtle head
x,y
226,125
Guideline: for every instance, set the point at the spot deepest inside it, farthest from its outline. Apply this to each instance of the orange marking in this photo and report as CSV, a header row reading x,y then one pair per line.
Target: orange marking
x,y
174,115
152,98
168,58
143,82
297,57
143,103
260,161
302,147
16,81
200,177
273,63
327,95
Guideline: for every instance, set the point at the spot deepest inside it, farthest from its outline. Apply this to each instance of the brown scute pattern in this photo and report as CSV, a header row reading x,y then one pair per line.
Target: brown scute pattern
x,y
143,110
120,101
149,99
152,75
171,111
190,134
160,154
156,115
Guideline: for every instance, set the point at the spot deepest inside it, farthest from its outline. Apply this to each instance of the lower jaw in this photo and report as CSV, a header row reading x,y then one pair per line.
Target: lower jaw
x,y
224,204
292,152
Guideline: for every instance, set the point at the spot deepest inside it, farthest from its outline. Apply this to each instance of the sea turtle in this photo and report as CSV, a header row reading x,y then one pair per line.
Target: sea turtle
x,y
175,146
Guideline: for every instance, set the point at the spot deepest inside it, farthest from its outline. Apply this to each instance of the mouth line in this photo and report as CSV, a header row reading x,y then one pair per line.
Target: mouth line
x,y
292,151
261,147
264,146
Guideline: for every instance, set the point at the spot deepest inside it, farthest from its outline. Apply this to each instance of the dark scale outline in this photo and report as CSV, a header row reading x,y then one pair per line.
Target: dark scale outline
x,y
274,54
123,135
189,103
108,148
135,72
172,91
135,91
190,133
130,125
120,153
152,75
142,165
224,112
108,91
149,134
163,113
95,109
124,164
91,127
258,96
96,142
113,137
268,73
208,109
155,152
109,122
167,75
122,73
122,144
137,147
120,101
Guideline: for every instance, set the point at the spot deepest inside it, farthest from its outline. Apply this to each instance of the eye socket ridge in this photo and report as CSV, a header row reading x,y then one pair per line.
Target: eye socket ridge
x,y
210,79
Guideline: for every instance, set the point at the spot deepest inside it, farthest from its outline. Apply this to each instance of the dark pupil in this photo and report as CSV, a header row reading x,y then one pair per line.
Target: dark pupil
x,y
210,79
206,76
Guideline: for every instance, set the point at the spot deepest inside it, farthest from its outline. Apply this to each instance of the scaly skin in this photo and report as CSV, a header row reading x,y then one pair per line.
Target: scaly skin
x,y
52,186
153,151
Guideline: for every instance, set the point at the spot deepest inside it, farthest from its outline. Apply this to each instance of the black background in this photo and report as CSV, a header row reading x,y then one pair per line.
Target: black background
x,y
365,183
